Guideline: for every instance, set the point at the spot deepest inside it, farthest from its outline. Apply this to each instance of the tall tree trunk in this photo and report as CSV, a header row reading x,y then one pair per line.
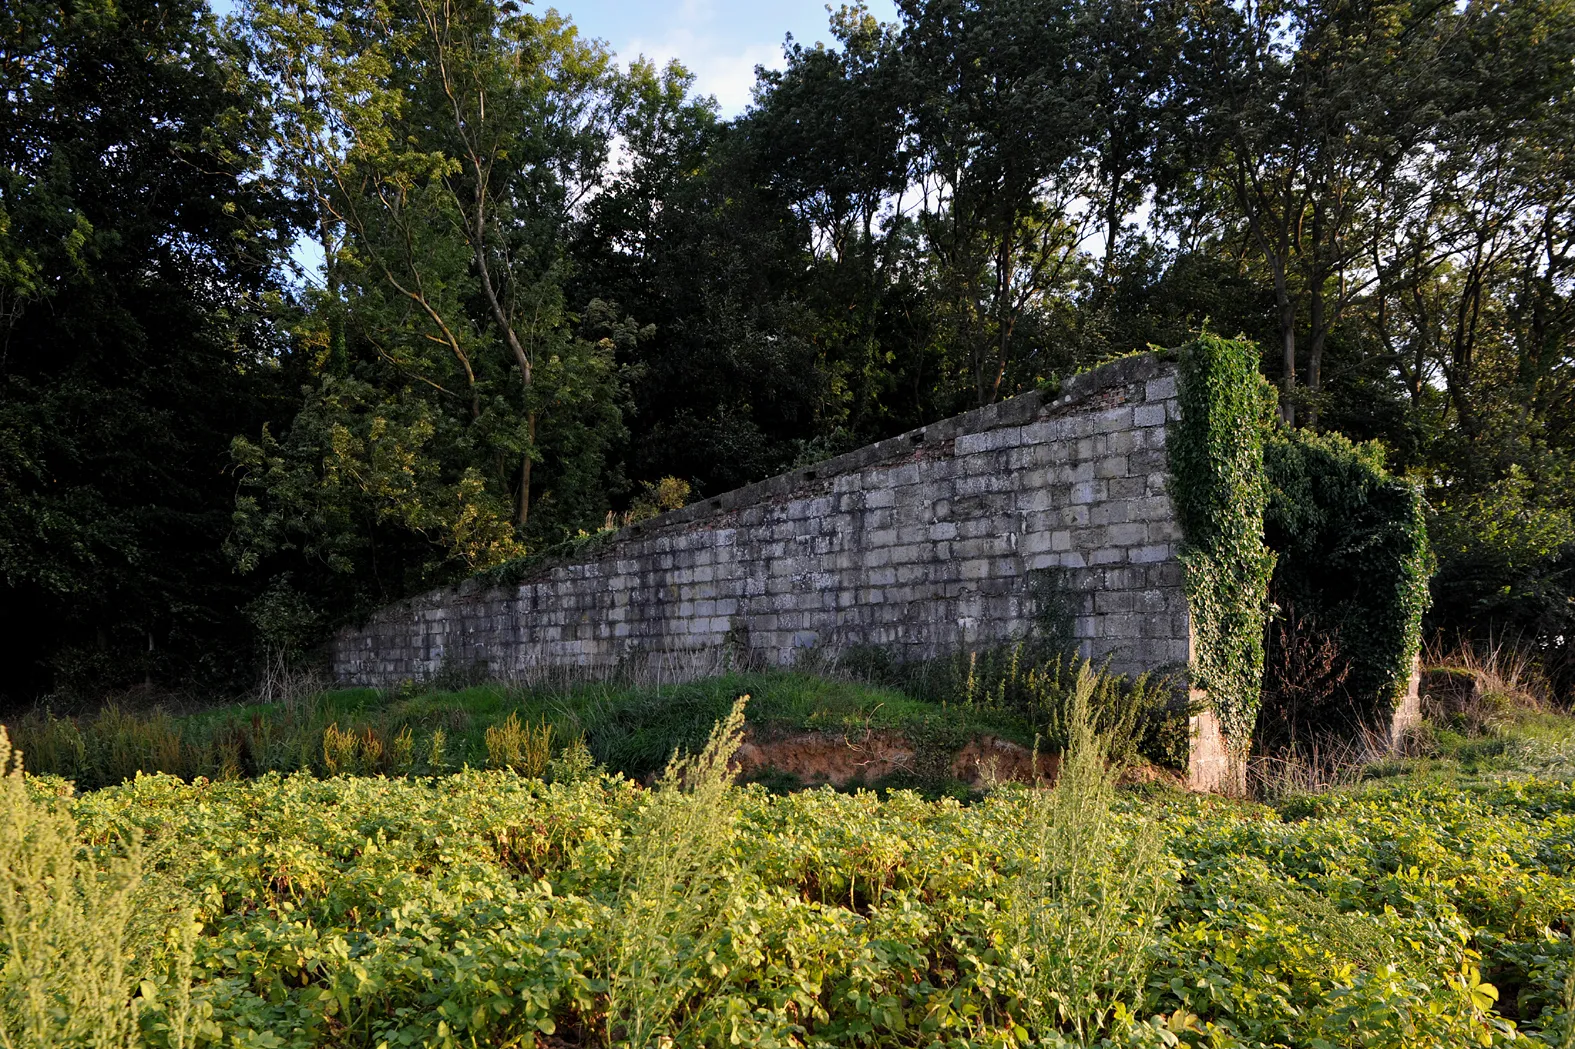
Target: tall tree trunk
x,y
1315,319
1315,351
524,500
1282,297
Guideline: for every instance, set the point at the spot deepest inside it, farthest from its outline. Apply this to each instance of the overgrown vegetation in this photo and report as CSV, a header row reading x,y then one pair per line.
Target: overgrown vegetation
x,y
630,729
1034,683
1351,583
1220,492
488,908
1295,542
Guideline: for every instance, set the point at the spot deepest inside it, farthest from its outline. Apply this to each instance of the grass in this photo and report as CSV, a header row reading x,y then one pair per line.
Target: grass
x,y
1085,902
669,909
630,729
79,932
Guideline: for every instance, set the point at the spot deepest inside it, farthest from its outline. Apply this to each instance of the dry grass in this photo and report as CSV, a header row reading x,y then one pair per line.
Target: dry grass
x,y
1482,687
524,748
1325,763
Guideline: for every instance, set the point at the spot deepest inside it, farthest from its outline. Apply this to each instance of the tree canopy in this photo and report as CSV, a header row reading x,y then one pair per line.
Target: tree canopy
x,y
311,307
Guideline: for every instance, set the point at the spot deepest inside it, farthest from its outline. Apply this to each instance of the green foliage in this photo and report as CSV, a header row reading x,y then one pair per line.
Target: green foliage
x,y
1087,894
630,729
515,331
490,909
138,235
455,407
1506,547
674,894
553,731
1352,554
72,970
1136,718
1219,491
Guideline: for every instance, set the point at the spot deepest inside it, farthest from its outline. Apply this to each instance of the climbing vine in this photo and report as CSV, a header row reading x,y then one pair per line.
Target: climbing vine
x,y
1353,557
1220,494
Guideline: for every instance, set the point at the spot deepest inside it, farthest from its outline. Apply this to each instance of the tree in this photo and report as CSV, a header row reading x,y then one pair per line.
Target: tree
x,y
443,150
138,231
1311,115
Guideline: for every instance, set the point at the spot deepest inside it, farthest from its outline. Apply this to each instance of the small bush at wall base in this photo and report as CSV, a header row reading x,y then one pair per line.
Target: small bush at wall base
x,y
1139,718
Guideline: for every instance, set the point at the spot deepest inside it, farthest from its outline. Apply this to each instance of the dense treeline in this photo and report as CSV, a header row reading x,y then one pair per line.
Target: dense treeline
x,y
325,302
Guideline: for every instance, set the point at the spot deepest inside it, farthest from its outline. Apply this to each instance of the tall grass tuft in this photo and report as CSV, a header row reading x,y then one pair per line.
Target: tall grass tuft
x,y
523,748
1083,906
674,890
65,924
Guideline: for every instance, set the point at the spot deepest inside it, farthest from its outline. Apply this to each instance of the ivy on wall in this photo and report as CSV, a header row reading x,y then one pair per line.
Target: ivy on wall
x,y
1310,520
1220,492
1353,557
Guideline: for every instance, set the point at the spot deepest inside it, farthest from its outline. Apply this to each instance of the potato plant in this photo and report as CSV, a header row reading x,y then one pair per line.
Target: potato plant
x,y
483,908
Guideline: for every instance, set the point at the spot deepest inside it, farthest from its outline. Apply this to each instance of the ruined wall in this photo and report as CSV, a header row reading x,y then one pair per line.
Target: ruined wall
x,y
949,537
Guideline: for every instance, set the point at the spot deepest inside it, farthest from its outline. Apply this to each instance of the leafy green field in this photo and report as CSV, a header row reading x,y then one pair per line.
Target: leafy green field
x,y
482,908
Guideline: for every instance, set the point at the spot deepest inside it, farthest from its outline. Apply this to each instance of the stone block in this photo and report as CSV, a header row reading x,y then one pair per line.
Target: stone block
x,y
1149,415
1108,601
1129,534
1111,466
1122,442
1088,492
1113,419
1164,530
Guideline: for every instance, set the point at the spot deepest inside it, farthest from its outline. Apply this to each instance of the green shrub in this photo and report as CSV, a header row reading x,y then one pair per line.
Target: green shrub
x,y
65,924
1137,717
352,751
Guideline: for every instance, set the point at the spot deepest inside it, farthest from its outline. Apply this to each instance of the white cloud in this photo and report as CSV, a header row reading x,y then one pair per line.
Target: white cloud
x,y
722,68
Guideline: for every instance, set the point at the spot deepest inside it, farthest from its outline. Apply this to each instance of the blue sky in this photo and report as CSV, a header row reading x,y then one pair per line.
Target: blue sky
x,y
720,41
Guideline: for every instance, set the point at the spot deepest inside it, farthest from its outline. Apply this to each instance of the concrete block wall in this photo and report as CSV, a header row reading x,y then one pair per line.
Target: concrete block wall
x,y
947,538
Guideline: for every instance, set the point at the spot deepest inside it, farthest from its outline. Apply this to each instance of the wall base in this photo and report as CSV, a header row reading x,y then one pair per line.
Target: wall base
x,y
1209,765
1408,715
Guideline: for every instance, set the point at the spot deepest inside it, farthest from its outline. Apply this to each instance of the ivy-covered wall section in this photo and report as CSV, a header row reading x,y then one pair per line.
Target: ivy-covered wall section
x,y
1220,492
1350,584
1295,541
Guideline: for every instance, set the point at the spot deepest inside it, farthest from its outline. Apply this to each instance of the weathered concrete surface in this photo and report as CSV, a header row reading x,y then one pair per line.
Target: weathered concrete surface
x,y
942,539
1408,714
